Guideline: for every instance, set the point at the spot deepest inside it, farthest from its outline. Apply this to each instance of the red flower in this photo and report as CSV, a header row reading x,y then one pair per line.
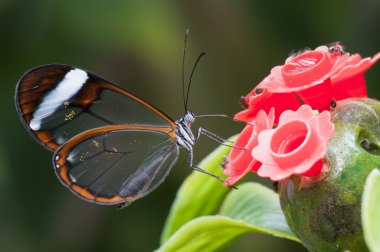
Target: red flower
x,y
262,99
296,146
316,77
240,162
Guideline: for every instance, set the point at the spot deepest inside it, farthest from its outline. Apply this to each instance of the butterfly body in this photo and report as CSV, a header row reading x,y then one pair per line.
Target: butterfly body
x,y
185,137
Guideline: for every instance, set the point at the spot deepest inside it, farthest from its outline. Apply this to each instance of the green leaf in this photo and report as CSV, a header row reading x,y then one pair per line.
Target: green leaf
x,y
207,233
371,211
251,208
259,207
199,194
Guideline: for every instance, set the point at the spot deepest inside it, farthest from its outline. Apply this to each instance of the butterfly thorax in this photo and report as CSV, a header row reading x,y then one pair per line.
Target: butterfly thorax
x,y
185,137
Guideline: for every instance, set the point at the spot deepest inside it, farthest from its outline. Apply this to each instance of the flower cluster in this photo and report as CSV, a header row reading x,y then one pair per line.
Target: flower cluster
x,y
287,113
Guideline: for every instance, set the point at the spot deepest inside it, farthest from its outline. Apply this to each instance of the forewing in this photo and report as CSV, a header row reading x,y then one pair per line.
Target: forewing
x,y
116,164
56,102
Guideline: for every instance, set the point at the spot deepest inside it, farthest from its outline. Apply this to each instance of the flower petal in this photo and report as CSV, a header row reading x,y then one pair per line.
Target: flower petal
x,y
305,112
315,169
261,151
348,80
354,64
319,96
324,126
274,172
266,101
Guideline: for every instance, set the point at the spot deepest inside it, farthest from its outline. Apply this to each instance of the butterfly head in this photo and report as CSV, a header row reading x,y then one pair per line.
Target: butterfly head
x,y
189,117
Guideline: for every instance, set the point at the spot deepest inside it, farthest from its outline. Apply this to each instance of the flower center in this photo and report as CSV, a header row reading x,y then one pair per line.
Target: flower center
x,y
292,142
289,137
306,68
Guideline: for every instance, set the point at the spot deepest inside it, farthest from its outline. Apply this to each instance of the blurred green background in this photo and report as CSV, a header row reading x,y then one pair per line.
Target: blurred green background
x,y
138,44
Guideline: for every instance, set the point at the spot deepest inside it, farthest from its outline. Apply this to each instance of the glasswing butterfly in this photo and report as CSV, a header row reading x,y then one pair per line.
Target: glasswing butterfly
x,y
110,146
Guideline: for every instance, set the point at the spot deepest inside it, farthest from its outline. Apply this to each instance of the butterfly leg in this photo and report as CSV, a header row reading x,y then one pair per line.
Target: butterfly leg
x,y
216,138
189,161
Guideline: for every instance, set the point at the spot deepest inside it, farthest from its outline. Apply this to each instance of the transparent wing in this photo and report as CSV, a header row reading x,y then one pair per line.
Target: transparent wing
x,y
56,102
116,164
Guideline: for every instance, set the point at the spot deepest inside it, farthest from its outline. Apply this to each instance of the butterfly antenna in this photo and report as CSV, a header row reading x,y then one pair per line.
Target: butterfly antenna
x,y
191,77
183,67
